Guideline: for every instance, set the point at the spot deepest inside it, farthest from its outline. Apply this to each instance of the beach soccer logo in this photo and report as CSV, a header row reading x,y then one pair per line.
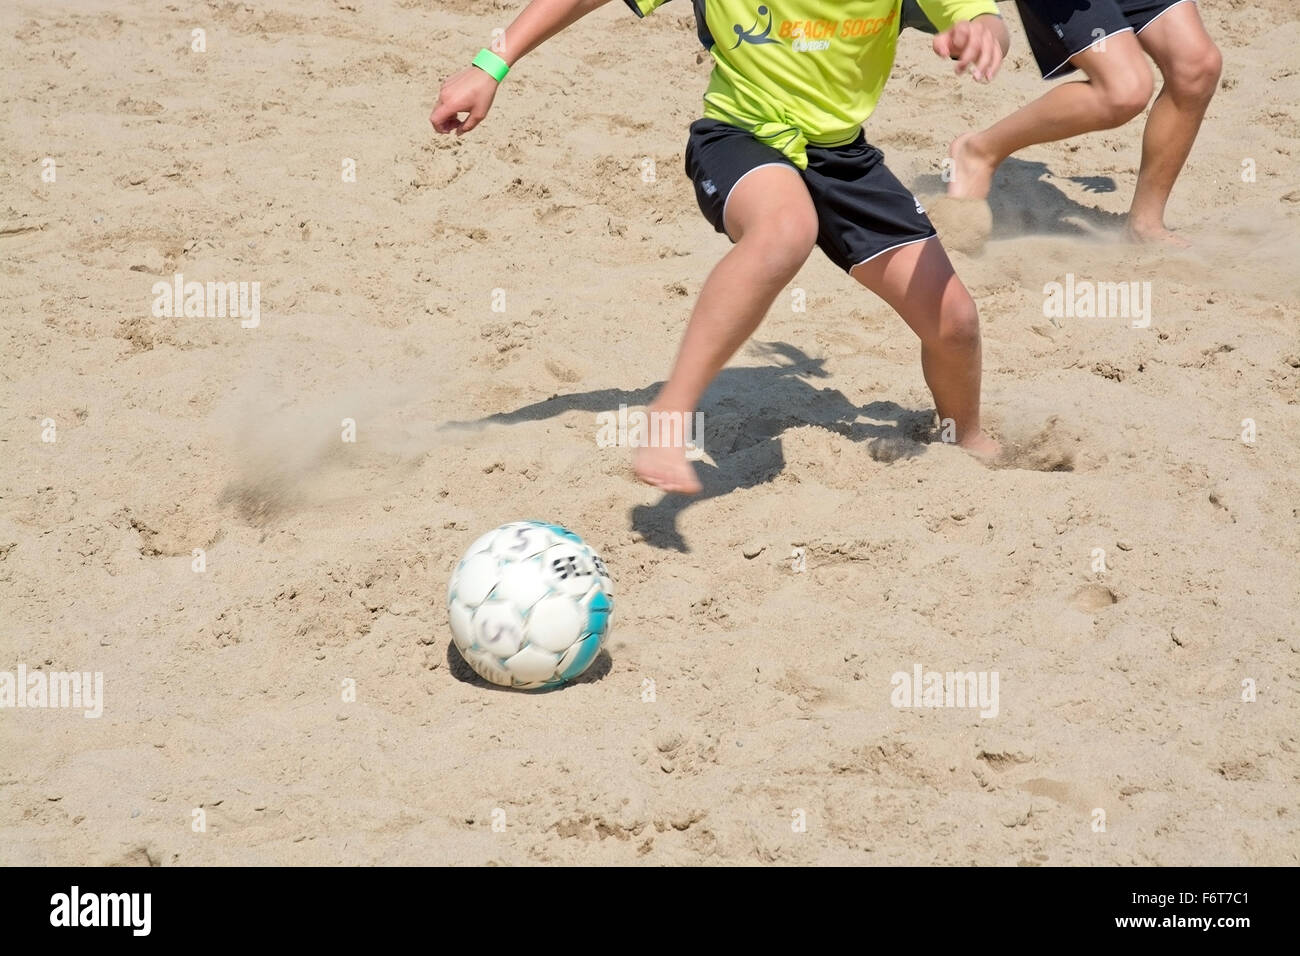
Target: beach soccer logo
x,y
807,36
752,35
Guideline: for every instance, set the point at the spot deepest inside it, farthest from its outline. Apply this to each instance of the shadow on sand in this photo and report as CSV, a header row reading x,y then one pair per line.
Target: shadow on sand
x,y
1025,201
745,412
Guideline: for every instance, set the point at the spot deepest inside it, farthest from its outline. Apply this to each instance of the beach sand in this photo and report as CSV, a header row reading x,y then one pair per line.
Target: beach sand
x,y
471,305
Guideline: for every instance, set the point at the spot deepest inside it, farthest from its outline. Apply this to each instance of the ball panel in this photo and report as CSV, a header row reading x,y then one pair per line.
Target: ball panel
x,y
482,543
498,629
568,568
532,665
579,657
462,628
602,573
487,668
555,623
599,608
522,539
560,531
476,578
522,584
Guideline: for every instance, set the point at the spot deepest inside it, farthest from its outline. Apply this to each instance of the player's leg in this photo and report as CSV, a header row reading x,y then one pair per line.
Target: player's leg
x,y
873,227
919,283
771,218
1191,65
1118,87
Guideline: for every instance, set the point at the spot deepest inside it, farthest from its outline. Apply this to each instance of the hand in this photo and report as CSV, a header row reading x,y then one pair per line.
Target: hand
x,y
973,44
469,91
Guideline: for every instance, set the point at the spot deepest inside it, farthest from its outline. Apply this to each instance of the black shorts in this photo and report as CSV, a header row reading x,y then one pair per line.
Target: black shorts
x,y
862,209
1058,29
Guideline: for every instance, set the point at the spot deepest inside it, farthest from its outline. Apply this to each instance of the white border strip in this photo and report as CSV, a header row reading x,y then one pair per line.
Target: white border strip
x,y
910,242
1057,69
1176,3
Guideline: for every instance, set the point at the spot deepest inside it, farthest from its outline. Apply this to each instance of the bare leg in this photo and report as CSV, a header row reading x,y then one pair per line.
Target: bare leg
x,y
1191,65
1118,87
772,219
919,283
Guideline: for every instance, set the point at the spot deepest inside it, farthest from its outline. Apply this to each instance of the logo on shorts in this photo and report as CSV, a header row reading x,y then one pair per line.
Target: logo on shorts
x,y
708,187
920,210
752,35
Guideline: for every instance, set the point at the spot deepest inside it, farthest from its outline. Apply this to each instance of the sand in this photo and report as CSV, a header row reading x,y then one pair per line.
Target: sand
x,y
743,713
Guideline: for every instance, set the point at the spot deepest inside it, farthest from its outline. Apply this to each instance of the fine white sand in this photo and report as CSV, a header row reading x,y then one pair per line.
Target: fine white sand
x,y
327,561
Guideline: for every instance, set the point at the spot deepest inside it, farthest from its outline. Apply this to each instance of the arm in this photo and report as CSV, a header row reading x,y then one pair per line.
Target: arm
x,y
471,90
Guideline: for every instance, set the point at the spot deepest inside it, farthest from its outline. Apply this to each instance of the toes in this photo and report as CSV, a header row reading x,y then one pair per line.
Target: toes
x,y
654,481
687,486
670,480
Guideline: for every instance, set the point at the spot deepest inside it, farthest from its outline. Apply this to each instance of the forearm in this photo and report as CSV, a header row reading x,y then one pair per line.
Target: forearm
x,y
538,22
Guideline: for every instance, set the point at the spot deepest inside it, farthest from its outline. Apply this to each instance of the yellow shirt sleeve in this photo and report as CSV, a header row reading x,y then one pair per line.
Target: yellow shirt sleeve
x,y
944,13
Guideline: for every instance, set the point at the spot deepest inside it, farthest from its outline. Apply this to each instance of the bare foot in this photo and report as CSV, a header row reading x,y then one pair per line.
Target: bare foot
x,y
971,172
666,469
1143,233
981,446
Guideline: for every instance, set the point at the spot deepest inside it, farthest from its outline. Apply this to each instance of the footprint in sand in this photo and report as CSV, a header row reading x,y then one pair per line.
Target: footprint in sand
x,y
1048,449
893,448
1092,598
1084,799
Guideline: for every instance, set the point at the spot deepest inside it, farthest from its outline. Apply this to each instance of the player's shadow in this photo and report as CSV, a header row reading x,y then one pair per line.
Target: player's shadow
x,y
1025,201
745,412
462,672
1094,184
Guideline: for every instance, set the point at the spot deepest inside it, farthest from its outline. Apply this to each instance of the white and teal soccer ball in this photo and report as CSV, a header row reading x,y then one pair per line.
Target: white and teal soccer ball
x,y
529,605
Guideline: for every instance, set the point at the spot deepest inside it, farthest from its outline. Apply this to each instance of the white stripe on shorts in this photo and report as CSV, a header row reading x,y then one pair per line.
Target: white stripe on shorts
x,y
1059,67
1162,13
910,242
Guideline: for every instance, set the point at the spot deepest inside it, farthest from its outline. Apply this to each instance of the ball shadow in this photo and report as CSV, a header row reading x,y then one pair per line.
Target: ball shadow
x,y
462,672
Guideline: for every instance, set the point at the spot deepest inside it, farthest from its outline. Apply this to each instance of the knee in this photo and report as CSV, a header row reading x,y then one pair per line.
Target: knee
x,y
959,324
1128,95
1195,74
782,247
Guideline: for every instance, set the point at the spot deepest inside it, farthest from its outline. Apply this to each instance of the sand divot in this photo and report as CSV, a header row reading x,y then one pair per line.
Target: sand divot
x,y
1045,450
893,448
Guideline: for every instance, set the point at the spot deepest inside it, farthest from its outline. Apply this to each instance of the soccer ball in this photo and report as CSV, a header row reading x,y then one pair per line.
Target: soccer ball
x,y
529,605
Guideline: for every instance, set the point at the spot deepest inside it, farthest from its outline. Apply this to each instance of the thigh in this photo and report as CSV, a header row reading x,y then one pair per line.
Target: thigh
x,y
1060,30
772,203
720,158
1170,31
1116,65
917,281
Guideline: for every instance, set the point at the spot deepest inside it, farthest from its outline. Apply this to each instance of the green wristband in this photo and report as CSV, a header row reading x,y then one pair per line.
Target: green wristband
x,y
491,64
